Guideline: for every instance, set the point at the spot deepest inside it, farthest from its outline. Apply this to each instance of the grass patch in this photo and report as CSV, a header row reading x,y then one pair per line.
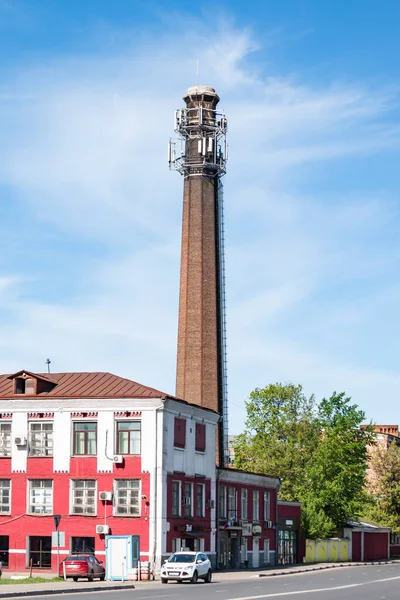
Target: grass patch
x,y
30,580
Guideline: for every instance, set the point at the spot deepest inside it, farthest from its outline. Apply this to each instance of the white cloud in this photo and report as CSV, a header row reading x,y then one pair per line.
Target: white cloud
x,y
85,152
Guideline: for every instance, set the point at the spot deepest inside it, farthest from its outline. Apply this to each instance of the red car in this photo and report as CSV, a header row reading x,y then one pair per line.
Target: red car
x,y
82,565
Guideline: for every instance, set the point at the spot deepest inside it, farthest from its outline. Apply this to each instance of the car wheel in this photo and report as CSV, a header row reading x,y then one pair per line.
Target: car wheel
x,y
75,578
102,577
91,576
195,577
208,576
164,580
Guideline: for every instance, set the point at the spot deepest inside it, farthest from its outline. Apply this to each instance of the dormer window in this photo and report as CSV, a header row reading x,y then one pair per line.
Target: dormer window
x,y
20,385
25,386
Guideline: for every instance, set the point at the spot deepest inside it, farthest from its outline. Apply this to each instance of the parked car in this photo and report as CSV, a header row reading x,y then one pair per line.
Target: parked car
x,y
187,566
82,565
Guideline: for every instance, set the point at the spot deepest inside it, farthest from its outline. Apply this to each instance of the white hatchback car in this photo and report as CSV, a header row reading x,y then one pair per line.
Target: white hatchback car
x,y
186,566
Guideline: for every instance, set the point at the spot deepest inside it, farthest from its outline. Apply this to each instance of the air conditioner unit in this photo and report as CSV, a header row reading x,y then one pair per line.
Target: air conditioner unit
x,y
20,441
118,459
105,496
103,529
187,501
210,504
268,524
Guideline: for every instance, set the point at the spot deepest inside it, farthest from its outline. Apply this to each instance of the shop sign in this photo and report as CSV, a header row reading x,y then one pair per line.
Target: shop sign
x,y
233,533
257,529
189,528
246,529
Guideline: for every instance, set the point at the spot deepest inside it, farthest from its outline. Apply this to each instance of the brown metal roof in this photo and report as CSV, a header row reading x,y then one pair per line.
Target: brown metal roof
x,y
84,385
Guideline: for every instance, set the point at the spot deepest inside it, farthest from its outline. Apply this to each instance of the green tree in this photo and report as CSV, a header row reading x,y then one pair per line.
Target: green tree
x,y
384,486
318,450
333,490
280,435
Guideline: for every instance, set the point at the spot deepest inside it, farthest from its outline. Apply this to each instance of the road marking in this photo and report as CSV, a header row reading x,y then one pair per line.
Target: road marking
x,y
159,596
329,589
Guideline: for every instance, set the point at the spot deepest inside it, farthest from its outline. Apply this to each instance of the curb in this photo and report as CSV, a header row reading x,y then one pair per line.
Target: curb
x,y
332,566
74,590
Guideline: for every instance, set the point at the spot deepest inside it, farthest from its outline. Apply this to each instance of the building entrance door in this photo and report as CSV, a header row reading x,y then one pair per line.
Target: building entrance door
x,y
287,547
256,553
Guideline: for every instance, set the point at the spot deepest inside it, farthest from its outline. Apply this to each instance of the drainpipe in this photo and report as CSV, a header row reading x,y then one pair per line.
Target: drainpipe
x,y
217,533
276,521
362,546
153,495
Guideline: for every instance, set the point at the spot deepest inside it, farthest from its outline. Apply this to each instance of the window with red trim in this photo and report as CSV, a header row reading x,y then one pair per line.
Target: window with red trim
x,y
200,437
180,433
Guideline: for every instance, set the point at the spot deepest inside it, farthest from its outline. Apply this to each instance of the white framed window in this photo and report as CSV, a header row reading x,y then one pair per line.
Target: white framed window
x,y
200,499
231,503
127,497
188,499
5,439
5,496
243,504
222,502
267,506
40,496
41,438
256,505
83,497
176,498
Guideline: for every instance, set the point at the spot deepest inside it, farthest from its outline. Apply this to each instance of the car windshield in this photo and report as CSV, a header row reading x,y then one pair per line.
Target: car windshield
x,y
182,558
77,557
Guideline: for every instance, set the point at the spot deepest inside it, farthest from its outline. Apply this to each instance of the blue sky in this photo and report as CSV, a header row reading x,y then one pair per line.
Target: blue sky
x,y
90,214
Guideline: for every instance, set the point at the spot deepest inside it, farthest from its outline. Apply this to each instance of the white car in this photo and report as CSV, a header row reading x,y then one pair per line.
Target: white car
x,y
186,566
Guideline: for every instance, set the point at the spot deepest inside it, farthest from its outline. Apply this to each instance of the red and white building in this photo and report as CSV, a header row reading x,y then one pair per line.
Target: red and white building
x,y
109,456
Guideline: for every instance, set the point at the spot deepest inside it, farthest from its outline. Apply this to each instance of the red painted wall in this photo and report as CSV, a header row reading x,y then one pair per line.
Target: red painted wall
x,y
376,546
266,533
290,512
356,546
294,512
394,550
18,525
177,523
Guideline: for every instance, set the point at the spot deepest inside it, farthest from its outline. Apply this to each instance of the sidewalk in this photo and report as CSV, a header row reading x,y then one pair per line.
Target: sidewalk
x,y
66,587
306,568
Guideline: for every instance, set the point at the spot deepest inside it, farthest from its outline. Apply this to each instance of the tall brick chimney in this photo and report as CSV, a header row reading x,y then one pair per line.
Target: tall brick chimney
x,y
201,367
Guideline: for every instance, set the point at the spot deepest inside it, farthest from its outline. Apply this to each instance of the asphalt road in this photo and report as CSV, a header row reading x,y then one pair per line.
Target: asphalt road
x,y
378,582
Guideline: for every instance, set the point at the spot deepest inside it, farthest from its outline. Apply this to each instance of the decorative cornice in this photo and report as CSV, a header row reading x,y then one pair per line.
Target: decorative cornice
x,y
83,414
40,415
127,414
6,415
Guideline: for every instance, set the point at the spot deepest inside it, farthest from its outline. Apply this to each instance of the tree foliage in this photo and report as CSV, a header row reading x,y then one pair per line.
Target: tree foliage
x,y
318,450
334,481
279,435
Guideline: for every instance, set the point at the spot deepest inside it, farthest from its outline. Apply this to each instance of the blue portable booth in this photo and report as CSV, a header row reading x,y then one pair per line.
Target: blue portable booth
x,y
122,553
